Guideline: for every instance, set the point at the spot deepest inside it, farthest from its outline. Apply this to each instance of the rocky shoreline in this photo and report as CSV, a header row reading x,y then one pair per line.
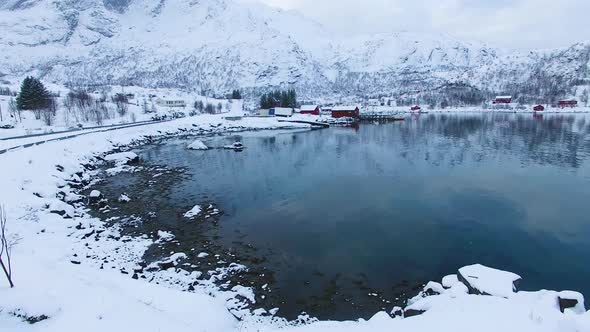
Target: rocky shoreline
x,y
49,197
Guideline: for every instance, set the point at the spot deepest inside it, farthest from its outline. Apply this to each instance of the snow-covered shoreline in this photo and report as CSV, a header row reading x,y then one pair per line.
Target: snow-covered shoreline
x,y
79,273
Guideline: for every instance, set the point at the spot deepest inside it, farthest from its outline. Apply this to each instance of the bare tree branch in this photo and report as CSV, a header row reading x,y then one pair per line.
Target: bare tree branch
x,y
6,247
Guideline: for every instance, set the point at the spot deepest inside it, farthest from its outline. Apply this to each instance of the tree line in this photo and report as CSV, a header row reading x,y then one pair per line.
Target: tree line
x,y
279,98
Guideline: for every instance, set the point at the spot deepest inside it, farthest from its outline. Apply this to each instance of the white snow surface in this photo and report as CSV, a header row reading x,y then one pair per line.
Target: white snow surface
x,y
95,194
57,263
491,281
124,198
193,212
165,236
121,157
197,145
450,280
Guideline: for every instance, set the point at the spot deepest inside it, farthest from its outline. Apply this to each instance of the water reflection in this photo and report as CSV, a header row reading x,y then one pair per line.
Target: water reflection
x,y
342,213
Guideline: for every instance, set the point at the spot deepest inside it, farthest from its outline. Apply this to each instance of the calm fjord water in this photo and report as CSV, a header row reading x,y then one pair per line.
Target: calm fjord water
x,y
344,215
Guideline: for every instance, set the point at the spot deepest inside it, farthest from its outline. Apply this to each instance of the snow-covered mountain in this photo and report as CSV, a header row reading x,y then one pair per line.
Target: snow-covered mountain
x,y
218,45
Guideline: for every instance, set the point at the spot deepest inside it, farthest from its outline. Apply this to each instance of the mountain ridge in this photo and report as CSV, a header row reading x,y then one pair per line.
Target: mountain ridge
x,y
219,45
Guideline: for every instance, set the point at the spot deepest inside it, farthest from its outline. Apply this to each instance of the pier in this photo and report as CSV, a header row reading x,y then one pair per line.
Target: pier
x,y
313,123
382,116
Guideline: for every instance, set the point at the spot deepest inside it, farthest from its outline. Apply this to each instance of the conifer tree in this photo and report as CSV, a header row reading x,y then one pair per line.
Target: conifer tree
x,y
33,95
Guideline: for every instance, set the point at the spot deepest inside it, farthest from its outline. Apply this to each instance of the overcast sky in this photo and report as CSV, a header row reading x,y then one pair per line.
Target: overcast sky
x,y
518,24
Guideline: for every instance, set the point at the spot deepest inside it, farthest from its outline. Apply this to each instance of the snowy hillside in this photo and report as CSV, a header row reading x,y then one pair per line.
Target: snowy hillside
x,y
218,45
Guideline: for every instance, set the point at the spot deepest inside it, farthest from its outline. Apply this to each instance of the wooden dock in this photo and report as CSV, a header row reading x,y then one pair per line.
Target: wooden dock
x,y
381,116
312,123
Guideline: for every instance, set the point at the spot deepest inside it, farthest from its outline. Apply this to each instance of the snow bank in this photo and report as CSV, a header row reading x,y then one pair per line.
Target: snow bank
x,y
234,146
483,280
449,281
193,212
197,145
122,157
165,236
123,198
95,194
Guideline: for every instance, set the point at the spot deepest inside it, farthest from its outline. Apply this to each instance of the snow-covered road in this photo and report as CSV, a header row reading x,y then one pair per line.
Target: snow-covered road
x,y
11,143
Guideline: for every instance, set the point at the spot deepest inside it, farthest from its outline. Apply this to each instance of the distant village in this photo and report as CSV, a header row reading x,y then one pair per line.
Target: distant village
x,y
70,107
372,105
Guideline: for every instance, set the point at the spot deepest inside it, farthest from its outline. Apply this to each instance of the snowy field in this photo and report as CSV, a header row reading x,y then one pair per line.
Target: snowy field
x,y
142,98
72,273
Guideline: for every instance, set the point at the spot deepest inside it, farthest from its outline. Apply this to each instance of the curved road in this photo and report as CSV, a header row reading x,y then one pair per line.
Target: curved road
x,y
22,142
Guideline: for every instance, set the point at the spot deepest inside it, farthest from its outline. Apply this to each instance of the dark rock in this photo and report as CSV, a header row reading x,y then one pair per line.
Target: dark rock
x,y
430,291
62,213
413,312
135,276
566,303
75,184
95,198
76,262
133,161
88,235
191,288
397,313
166,265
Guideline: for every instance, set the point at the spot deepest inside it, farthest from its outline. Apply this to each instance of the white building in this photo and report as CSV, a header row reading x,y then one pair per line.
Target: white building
x,y
282,111
265,112
171,103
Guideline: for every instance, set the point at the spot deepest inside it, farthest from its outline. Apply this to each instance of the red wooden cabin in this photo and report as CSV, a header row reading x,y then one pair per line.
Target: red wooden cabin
x,y
415,108
345,112
503,100
539,108
310,109
567,103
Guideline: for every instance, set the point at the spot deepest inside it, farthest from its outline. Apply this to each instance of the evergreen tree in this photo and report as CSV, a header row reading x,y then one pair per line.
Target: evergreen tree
x,y
33,95
279,98
236,94
199,106
292,99
263,104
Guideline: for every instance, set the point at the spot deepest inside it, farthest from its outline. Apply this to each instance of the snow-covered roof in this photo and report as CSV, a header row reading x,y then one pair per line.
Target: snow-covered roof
x,y
504,97
308,107
344,108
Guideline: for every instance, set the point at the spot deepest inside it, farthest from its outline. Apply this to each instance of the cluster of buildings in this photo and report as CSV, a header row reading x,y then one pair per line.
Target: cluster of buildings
x,y
507,100
335,112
